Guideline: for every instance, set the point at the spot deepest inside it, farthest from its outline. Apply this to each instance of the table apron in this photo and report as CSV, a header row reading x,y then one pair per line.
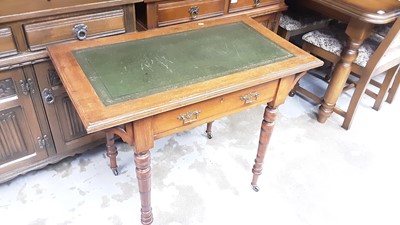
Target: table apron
x,y
193,115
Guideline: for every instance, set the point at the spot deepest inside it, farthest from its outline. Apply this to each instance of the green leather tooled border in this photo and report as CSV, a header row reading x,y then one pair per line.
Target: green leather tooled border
x,y
139,68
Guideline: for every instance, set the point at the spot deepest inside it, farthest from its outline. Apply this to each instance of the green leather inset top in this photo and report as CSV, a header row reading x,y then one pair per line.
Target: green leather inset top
x,y
138,68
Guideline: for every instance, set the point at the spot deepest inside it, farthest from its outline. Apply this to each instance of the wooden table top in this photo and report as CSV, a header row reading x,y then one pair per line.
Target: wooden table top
x,y
373,11
254,55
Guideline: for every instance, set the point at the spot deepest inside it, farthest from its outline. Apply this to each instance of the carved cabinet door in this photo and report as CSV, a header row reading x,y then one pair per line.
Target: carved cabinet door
x,y
68,133
21,141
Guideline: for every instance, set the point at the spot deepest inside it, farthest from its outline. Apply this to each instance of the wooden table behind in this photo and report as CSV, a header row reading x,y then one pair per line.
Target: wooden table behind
x,y
361,17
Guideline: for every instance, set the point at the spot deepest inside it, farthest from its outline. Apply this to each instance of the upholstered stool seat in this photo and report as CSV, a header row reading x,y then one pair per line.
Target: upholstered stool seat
x,y
294,23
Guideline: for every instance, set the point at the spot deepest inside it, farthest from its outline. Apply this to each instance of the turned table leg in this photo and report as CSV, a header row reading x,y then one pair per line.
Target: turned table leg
x,y
357,32
112,152
143,173
267,126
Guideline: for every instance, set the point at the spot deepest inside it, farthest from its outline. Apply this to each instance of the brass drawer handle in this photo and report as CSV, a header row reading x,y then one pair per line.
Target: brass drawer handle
x,y
80,31
250,98
194,11
27,86
256,2
189,117
48,96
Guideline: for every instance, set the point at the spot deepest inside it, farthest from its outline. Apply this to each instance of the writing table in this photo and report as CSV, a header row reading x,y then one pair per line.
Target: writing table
x,y
144,86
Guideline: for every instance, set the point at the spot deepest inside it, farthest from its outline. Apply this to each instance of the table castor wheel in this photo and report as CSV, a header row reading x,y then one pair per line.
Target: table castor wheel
x,y
209,135
115,171
255,188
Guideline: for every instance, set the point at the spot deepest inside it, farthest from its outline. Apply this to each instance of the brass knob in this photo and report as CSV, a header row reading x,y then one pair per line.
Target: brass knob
x,y
194,11
80,31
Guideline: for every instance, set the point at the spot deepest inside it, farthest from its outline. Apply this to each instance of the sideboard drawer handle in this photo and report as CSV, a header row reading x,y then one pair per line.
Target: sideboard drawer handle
x,y
256,3
250,98
194,11
48,96
80,31
189,117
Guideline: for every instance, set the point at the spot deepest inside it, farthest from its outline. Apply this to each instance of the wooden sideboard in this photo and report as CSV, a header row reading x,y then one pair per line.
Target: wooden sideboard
x,y
160,13
38,124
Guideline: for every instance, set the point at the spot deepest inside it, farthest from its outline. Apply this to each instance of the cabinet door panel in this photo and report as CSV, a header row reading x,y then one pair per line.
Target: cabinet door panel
x,y
19,128
69,135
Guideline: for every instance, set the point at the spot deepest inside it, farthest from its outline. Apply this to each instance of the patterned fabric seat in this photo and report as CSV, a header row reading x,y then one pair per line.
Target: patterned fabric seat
x,y
333,40
294,23
383,29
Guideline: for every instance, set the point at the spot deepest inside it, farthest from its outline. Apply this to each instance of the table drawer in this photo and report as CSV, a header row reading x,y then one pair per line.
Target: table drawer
x,y
41,34
184,11
240,5
202,112
7,45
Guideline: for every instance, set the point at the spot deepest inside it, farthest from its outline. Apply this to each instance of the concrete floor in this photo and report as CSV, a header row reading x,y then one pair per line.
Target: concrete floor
x,y
314,174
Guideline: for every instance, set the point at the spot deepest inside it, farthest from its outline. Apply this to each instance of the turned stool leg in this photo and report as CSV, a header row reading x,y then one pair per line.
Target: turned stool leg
x,y
112,152
143,174
208,130
265,136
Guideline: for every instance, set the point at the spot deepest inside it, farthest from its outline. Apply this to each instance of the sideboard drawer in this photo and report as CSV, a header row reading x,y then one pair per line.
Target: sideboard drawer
x,y
41,34
184,11
240,5
7,45
215,108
